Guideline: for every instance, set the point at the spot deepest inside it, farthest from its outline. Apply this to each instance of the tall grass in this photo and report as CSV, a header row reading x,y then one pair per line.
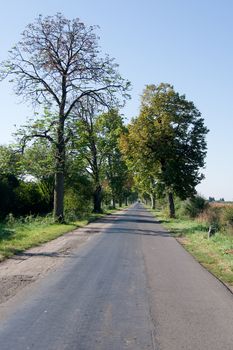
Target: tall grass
x,y
219,216
18,234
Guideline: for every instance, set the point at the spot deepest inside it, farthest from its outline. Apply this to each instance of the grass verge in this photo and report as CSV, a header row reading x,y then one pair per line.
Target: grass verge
x,y
20,234
215,254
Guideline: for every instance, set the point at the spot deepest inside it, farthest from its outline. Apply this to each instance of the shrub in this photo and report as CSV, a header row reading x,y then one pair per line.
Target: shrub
x,y
228,215
194,206
227,218
75,206
212,217
10,220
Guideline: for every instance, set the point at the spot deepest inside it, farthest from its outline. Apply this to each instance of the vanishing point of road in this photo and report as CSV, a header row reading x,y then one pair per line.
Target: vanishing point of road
x,y
131,286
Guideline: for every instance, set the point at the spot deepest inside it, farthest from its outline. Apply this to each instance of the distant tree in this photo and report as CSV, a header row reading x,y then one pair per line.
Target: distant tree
x,y
57,63
144,171
211,199
110,126
98,144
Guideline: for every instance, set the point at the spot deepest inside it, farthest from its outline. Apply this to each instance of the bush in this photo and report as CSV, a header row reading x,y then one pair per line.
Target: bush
x,y
8,185
194,206
10,220
228,215
212,217
227,218
75,206
22,197
30,200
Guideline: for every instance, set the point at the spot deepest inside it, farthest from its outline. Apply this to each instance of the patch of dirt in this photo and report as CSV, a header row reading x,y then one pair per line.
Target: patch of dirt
x,y
182,240
10,285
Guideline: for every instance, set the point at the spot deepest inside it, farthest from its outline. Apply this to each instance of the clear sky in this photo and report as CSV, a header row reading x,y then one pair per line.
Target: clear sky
x,y
187,43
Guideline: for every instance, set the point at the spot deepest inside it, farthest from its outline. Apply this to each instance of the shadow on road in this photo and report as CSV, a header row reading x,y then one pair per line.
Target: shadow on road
x,y
121,224
122,230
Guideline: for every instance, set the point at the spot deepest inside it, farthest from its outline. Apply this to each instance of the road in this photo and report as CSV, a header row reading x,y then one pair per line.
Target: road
x,y
130,287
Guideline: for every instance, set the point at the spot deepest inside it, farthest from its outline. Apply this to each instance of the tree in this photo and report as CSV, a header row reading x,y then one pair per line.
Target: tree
x,y
98,144
168,137
57,64
144,171
88,148
111,126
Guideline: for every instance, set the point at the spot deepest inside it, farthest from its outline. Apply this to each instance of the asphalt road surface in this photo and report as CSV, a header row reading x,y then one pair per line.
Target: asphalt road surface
x,y
130,287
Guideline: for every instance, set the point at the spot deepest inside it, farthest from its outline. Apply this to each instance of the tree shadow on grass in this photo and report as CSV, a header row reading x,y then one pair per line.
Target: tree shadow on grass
x,y
6,233
183,231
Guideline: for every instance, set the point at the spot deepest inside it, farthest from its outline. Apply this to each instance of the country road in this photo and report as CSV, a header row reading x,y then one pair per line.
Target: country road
x,y
131,286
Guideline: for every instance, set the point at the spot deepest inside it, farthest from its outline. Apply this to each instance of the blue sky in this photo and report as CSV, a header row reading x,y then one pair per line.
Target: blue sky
x,y
186,43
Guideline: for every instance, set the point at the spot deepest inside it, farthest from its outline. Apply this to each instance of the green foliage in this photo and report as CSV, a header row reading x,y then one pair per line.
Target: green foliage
x,y
9,160
8,185
110,126
167,141
30,200
75,205
38,160
98,150
21,198
78,194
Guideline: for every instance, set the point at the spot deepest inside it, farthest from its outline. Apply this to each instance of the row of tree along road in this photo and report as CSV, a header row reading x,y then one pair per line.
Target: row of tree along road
x,y
76,147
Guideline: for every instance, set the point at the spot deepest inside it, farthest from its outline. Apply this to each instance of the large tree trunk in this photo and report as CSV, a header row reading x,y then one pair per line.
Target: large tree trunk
x,y
126,200
171,205
59,197
97,199
120,202
59,174
152,201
